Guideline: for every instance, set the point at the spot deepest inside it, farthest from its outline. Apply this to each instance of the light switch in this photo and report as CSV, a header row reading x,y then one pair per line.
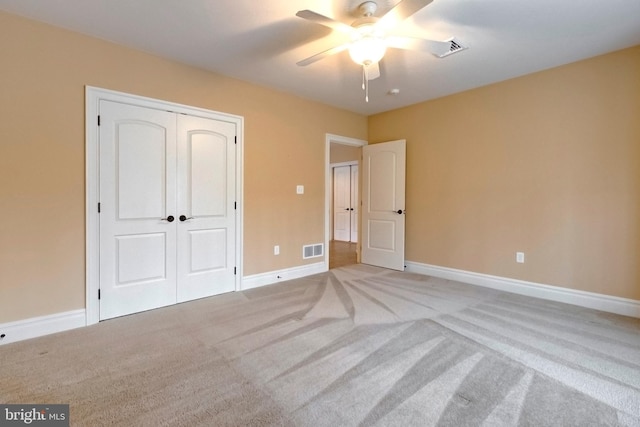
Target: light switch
x,y
300,189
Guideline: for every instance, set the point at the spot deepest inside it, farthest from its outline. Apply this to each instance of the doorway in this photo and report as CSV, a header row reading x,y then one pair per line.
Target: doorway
x,y
342,151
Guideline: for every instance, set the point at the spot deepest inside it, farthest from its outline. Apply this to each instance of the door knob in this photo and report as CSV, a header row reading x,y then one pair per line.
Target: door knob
x,y
170,218
400,212
184,218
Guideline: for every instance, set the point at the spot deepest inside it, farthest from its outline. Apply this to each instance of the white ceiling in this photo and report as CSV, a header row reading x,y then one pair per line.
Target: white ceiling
x,y
261,41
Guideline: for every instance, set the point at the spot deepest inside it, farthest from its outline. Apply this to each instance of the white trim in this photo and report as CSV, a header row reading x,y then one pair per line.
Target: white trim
x,y
608,303
344,140
270,277
43,325
93,96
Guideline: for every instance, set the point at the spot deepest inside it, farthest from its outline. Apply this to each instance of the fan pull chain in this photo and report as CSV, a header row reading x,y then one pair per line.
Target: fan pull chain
x,y
366,92
365,82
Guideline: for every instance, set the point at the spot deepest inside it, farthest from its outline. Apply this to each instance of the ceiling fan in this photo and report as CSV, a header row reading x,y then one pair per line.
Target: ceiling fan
x,y
371,36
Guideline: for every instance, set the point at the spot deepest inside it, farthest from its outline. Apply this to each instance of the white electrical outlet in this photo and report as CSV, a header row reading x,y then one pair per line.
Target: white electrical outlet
x,y
276,250
520,257
299,189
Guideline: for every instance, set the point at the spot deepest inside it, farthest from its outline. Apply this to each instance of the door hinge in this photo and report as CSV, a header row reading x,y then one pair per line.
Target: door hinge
x,y
234,271
98,207
235,139
98,120
235,205
98,293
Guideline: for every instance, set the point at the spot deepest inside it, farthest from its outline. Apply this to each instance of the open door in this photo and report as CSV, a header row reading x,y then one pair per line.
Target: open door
x,y
383,204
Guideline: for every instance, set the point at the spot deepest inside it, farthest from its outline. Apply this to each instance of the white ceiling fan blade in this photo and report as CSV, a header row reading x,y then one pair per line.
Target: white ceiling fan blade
x,y
437,48
373,71
322,55
326,21
400,12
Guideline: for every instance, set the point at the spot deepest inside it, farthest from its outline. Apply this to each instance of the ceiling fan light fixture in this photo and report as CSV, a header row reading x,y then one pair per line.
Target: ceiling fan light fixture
x,y
370,37
367,50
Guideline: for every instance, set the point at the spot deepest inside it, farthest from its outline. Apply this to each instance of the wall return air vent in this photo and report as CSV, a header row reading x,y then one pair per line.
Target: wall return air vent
x,y
312,251
456,46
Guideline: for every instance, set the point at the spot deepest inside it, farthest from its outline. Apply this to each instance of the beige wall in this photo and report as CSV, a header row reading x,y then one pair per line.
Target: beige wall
x,y
340,153
547,164
42,192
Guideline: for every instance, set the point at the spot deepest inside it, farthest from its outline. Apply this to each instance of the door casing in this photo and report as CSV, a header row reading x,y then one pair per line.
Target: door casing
x,y
93,96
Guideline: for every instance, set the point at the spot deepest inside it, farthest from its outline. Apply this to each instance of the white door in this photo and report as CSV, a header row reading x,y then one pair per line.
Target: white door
x,y
383,204
137,209
345,203
354,203
342,203
206,207
167,220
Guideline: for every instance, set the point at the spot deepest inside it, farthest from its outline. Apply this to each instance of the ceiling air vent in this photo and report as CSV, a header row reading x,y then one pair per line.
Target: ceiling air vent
x,y
456,46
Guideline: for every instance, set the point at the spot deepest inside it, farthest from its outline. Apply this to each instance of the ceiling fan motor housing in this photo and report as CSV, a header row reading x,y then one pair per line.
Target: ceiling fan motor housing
x,y
368,8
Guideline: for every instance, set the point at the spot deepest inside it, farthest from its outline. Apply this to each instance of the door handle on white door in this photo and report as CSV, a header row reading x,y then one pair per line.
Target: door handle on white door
x,y
400,211
170,218
185,218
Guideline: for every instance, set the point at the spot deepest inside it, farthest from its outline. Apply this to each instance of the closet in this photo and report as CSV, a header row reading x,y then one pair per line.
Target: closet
x,y
345,203
167,207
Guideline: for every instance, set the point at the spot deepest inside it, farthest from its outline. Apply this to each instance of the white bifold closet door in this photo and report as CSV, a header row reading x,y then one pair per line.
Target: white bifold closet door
x,y
167,216
345,203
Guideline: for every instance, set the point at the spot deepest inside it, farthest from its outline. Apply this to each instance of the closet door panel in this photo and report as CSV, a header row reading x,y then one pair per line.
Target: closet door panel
x,y
206,200
138,202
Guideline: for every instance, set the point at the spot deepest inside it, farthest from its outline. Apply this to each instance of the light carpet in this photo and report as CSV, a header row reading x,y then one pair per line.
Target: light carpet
x,y
356,346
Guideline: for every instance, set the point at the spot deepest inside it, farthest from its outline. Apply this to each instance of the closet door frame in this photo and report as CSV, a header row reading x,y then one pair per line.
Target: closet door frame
x,y
93,96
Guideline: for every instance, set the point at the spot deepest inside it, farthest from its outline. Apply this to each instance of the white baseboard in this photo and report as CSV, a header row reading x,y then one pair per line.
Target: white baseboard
x,y
270,277
610,304
59,322
43,325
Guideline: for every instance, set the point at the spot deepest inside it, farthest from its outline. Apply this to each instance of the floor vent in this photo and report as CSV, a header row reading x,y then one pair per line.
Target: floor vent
x,y
456,46
312,251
